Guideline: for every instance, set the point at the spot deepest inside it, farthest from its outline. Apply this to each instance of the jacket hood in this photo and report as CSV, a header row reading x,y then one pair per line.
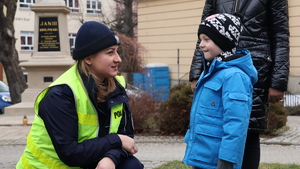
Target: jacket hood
x,y
244,63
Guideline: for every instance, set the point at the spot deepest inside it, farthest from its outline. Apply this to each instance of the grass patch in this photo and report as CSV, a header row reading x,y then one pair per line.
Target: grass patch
x,y
174,165
180,165
279,131
278,166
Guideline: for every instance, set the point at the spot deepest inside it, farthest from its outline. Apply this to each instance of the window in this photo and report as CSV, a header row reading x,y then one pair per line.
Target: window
x,y
73,5
26,41
25,73
93,6
72,37
25,4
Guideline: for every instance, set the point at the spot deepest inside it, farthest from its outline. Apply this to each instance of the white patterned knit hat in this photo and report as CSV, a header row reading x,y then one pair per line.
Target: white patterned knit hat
x,y
223,29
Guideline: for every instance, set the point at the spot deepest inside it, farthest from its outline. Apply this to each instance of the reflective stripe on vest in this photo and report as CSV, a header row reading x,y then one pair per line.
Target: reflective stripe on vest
x,y
117,110
39,151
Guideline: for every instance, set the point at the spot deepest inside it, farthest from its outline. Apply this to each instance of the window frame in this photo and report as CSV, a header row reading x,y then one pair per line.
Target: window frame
x,y
26,35
94,10
73,8
23,4
72,37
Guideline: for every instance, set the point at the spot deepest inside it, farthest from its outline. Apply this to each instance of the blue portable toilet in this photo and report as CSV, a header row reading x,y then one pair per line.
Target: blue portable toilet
x,y
139,80
155,80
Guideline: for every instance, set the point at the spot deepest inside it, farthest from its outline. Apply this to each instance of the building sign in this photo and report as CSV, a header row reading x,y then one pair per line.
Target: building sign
x,y
22,19
48,34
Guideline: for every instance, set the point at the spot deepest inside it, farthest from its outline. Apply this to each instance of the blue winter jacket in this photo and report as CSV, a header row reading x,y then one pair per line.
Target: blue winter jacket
x,y
220,113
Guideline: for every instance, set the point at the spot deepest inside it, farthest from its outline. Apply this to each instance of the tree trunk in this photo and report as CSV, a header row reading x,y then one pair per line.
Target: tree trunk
x,y
8,53
128,22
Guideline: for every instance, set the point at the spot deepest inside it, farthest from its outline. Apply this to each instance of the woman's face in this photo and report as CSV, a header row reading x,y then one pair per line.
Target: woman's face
x,y
104,64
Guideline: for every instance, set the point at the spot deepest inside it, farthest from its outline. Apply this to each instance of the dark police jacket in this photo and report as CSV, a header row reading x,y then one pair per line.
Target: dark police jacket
x,y
103,146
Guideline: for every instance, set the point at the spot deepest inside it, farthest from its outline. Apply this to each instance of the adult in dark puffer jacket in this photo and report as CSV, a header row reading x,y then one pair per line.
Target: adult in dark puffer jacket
x,y
266,36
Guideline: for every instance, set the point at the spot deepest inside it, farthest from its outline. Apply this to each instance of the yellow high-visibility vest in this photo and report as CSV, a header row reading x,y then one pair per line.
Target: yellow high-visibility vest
x,y
39,151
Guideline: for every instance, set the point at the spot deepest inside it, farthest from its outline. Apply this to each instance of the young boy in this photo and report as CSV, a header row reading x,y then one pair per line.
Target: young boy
x,y
223,97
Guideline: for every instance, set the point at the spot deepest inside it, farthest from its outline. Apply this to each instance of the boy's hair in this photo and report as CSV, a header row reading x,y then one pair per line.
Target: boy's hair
x,y
223,29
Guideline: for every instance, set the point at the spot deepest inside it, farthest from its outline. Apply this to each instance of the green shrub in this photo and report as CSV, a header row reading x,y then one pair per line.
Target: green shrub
x,y
293,110
143,108
175,111
277,117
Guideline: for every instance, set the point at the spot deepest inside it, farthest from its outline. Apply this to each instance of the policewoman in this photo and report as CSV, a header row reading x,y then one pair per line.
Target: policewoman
x,y
83,119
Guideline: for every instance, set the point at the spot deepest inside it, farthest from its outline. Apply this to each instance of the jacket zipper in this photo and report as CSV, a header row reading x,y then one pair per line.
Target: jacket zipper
x,y
235,6
125,113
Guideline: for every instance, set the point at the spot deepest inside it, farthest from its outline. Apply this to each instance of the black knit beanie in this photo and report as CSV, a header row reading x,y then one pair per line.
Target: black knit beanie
x,y
223,29
93,37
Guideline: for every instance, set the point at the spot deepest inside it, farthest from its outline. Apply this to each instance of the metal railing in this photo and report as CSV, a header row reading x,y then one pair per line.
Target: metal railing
x,y
184,78
291,99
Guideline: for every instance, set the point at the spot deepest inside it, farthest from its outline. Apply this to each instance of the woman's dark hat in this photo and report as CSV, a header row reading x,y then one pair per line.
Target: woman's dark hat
x,y
93,37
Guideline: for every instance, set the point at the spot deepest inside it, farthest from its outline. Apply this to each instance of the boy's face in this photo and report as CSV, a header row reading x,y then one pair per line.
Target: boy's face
x,y
208,47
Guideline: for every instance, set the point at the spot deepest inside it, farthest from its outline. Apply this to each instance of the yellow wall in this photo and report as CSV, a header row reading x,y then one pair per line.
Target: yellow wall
x,y
294,16
294,13
164,26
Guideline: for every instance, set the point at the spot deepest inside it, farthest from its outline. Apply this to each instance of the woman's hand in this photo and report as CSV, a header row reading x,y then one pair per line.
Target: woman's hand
x,y
106,163
128,144
193,85
275,95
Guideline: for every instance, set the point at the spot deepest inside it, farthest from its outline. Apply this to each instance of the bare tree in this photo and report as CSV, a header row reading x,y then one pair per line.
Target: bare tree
x,y
124,23
8,53
130,50
126,17
131,53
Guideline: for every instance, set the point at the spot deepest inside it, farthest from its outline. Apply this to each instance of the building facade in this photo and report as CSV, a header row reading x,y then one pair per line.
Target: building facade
x,y
80,11
167,28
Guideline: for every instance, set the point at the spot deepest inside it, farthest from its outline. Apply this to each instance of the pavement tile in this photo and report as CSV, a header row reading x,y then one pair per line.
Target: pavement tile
x,y
153,150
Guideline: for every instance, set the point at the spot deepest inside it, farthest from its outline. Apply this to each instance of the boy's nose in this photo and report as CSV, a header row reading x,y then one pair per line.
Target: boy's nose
x,y
201,45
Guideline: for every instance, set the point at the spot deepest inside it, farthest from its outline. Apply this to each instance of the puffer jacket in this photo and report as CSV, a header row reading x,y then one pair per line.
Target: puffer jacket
x,y
220,112
266,35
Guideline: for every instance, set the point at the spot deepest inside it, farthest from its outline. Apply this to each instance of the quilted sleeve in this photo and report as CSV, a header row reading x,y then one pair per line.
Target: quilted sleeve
x,y
279,44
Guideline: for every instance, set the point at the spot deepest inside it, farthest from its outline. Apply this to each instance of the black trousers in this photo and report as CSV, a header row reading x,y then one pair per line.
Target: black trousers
x,y
130,163
252,151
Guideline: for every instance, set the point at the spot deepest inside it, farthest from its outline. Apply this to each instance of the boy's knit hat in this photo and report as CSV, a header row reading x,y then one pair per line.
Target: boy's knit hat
x,y
93,37
223,29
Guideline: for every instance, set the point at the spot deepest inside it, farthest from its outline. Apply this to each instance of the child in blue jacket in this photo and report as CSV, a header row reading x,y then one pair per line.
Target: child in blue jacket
x,y
223,97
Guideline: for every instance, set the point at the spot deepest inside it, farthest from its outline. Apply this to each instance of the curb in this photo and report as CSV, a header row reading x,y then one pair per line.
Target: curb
x,y
159,139
15,125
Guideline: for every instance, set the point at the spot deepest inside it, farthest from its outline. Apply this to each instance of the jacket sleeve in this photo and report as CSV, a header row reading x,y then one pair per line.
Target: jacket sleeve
x,y
236,100
58,112
279,44
196,66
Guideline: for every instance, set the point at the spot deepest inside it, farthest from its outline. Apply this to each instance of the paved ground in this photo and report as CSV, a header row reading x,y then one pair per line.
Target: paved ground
x,y
153,150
